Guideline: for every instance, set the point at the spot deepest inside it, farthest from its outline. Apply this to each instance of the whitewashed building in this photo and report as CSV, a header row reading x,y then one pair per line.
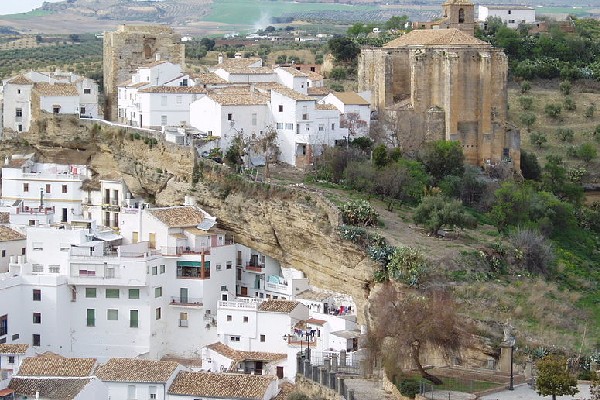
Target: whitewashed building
x,y
131,378
11,357
222,386
511,15
12,245
355,112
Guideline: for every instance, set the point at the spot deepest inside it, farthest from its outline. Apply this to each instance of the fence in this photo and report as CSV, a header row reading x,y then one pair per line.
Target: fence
x,y
329,370
456,388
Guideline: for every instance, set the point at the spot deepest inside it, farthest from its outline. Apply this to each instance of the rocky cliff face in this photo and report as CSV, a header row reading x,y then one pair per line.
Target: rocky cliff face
x,y
293,225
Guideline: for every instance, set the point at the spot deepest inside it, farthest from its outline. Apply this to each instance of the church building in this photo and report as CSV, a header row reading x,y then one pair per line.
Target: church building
x,y
442,83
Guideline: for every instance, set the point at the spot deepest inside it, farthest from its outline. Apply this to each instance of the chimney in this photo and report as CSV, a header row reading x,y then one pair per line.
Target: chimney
x,y
157,56
6,160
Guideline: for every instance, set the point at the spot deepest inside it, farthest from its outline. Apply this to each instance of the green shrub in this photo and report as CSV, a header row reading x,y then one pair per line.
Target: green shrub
x,y
565,87
409,388
553,110
590,110
570,104
526,102
565,134
359,212
525,87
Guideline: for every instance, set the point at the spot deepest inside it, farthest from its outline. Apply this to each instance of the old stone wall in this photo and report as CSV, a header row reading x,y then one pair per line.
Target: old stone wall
x,y
132,46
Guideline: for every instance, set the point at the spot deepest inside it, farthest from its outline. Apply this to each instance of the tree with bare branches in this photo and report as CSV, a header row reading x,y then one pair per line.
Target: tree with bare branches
x,y
404,321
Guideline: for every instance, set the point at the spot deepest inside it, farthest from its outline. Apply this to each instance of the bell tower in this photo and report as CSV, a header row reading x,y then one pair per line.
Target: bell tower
x,y
460,14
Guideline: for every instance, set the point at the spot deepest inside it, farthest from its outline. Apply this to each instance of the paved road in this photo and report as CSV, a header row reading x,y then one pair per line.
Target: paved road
x,y
524,392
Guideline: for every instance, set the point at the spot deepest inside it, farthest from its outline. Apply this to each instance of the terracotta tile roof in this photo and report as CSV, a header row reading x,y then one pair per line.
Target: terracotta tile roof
x,y
314,76
173,89
239,355
239,62
20,80
208,78
432,37
319,91
13,348
315,321
351,98
8,234
55,365
136,370
294,71
4,217
56,89
250,70
137,85
178,217
325,107
291,93
59,389
285,389
205,384
239,99
281,306
197,232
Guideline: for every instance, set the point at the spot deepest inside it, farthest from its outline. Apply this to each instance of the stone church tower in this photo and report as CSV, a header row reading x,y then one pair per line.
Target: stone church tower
x,y
443,83
459,14
130,47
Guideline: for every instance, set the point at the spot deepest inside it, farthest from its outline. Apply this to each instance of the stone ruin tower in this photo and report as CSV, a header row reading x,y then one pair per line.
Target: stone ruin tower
x,y
442,83
130,47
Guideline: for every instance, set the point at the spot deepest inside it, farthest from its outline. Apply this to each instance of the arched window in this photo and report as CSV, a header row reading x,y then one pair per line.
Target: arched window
x,y
461,16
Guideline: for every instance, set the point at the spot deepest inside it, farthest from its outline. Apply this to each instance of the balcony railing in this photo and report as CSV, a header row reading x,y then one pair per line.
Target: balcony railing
x,y
254,267
186,301
250,305
181,250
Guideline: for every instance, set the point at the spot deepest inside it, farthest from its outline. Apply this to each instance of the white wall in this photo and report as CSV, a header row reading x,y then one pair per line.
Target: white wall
x,y
510,16
68,104
17,96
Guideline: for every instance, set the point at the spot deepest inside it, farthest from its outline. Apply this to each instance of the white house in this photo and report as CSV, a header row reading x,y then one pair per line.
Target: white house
x,y
218,357
12,244
205,385
243,70
44,185
130,378
11,357
511,15
356,112
16,107
51,376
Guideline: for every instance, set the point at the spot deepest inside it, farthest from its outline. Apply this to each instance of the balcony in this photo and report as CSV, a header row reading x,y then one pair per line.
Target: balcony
x,y
186,301
248,304
182,250
193,270
255,267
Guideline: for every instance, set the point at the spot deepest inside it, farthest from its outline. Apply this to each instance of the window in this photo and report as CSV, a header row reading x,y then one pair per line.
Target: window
x,y
184,82
133,318
183,319
90,292
158,313
162,268
18,91
246,319
229,117
253,119
281,108
11,359
234,338
262,338
54,269
112,314
15,337
23,251
37,295
179,100
280,125
19,112
87,91
3,340
4,325
37,246
26,187
229,318
36,339
152,392
229,263
112,293
3,253
55,109
91,317
218,267
134,294
158,292
511,21
20,127
48,188
289,127
131,393
163,120
64,188
163,100
82,110
154,270
321,127
510,11
461,16
37,318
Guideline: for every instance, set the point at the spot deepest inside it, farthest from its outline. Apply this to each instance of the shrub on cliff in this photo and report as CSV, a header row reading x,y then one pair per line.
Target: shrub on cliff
x,y
359,212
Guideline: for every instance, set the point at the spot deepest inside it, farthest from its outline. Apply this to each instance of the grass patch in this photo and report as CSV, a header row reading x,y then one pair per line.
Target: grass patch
x,y
27,15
